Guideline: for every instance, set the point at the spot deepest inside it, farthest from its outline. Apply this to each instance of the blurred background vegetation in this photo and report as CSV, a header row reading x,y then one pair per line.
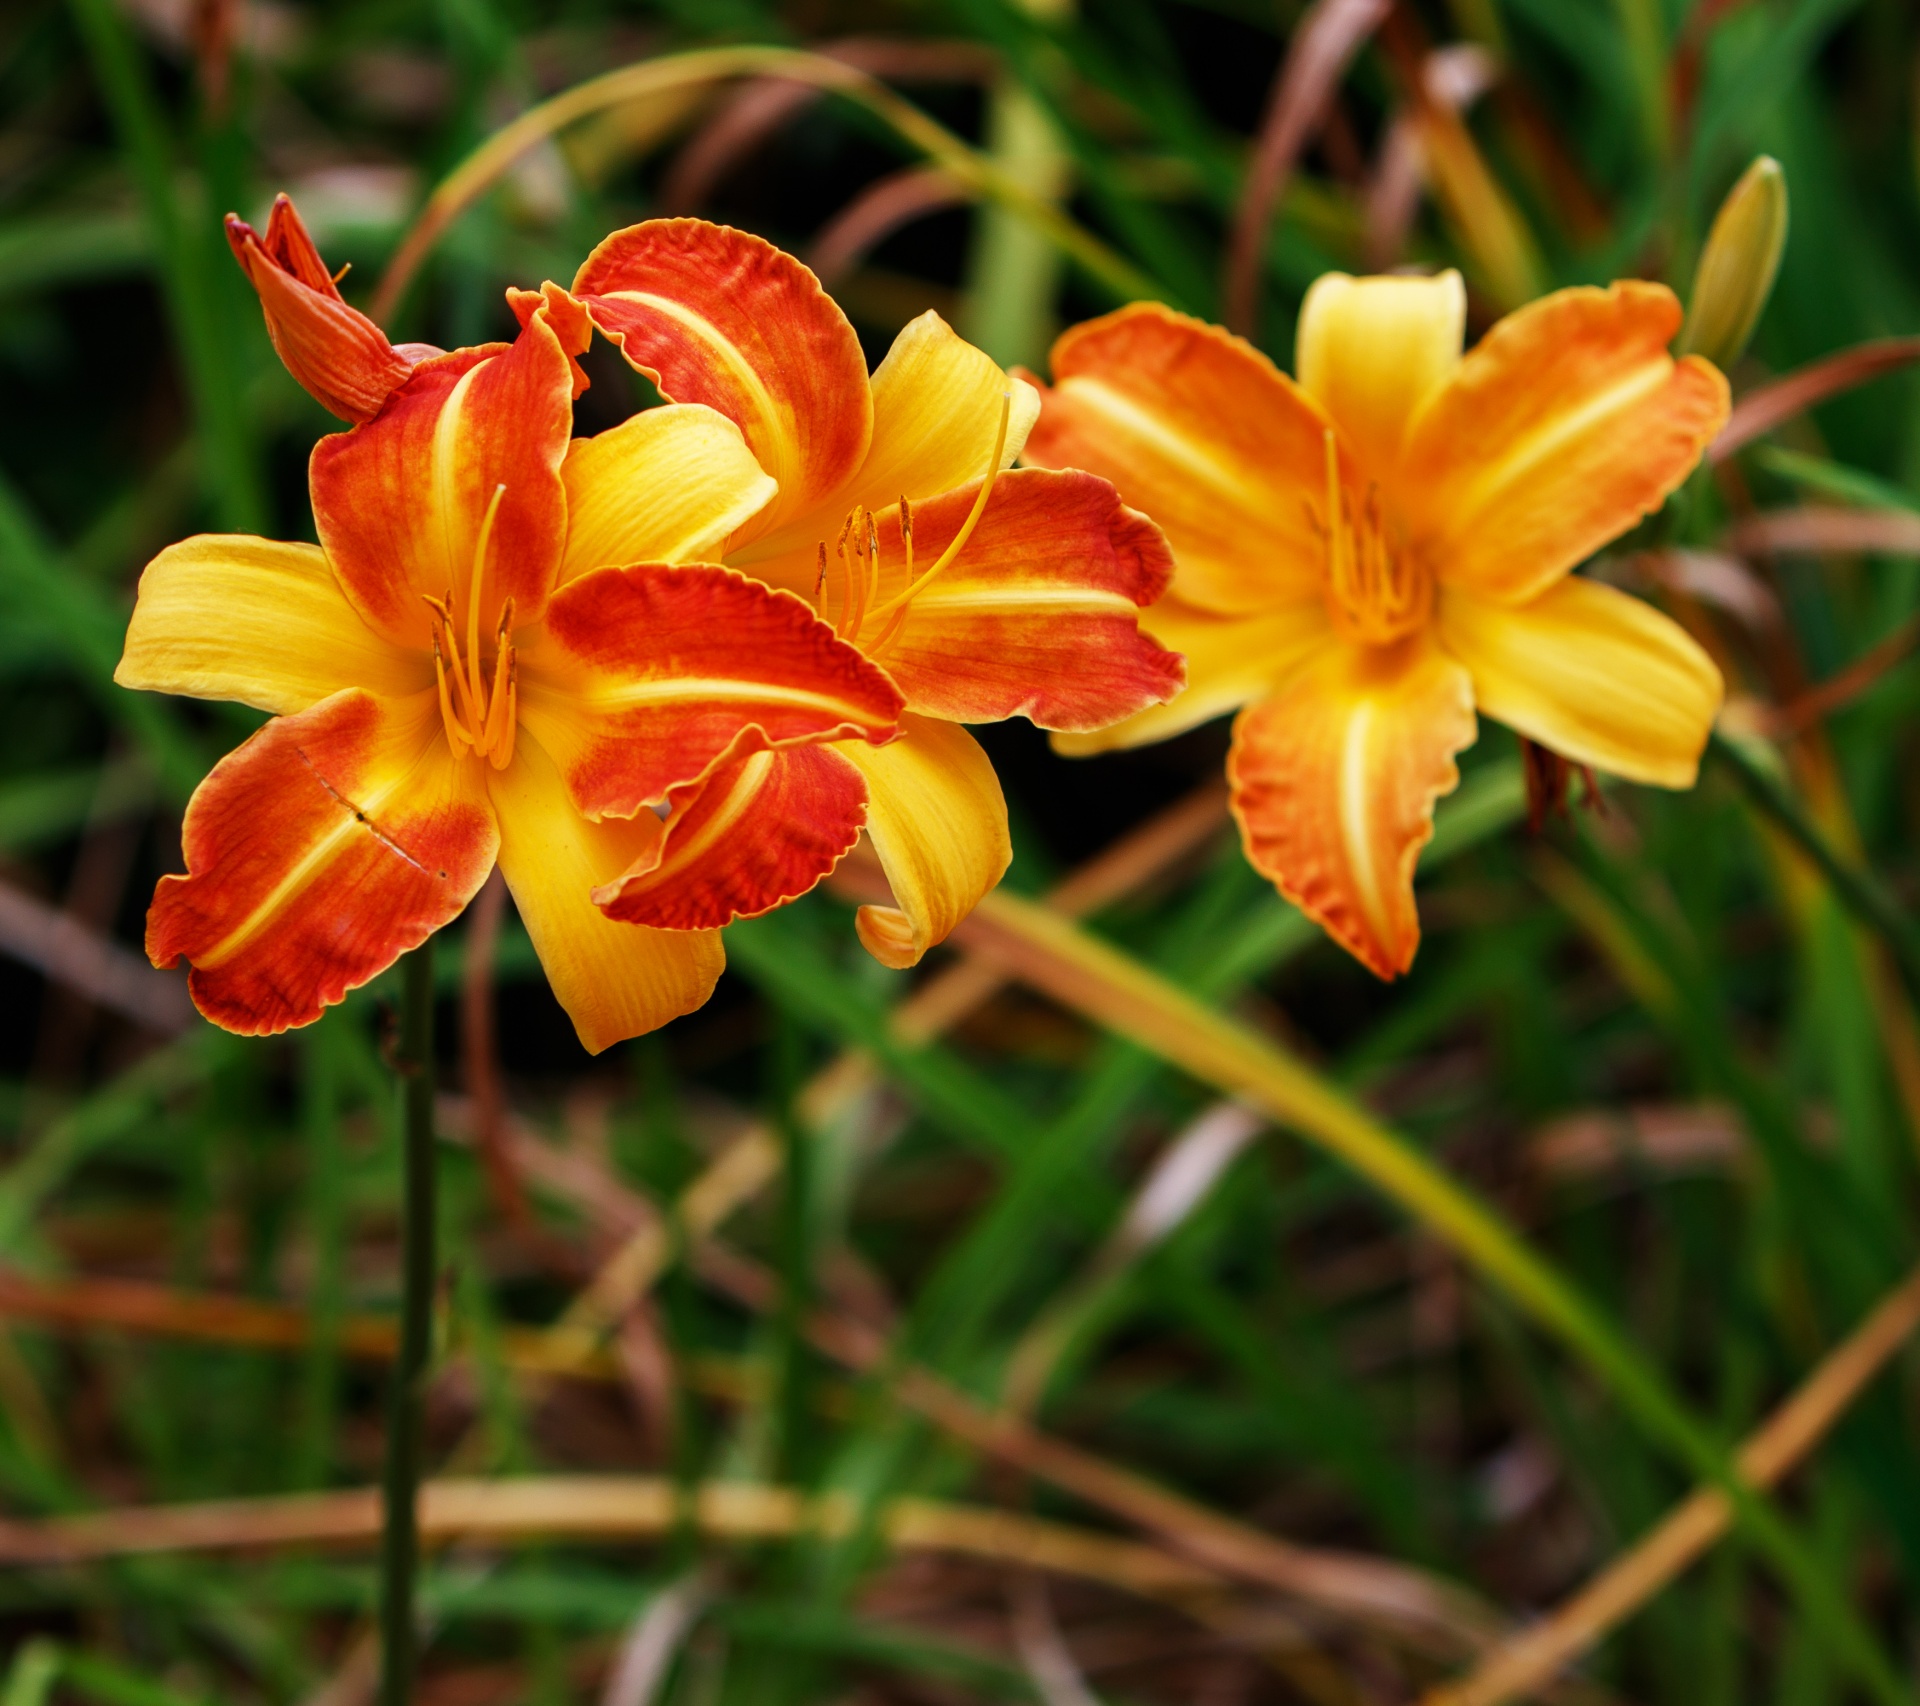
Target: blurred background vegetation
x,y
1281,1443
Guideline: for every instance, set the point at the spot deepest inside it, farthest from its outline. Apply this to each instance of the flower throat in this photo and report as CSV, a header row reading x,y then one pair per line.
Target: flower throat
x,y
1377,591
478,711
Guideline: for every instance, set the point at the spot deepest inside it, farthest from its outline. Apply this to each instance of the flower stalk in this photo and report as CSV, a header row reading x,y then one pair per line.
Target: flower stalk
x,y
400,1482
1860,892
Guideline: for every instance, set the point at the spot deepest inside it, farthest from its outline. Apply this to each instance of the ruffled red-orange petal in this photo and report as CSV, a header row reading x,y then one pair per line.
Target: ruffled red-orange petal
x,y
568,317
401,503
644,676
761,829
1038,616
715,316
338,355
317,853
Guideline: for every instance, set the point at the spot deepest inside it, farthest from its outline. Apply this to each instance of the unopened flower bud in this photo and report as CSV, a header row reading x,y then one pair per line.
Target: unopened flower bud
x,y
340,356
1737,267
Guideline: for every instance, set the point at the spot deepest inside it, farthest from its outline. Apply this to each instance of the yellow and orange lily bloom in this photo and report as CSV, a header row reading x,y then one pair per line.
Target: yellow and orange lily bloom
x,y
983,594
1369,553
459,673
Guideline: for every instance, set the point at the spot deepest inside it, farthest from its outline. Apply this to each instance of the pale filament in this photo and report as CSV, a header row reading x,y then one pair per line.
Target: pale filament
x,y
858,549
478,711
1376,592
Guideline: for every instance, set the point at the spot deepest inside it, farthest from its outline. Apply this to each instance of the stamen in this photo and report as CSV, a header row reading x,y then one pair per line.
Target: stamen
x,y
913,589
854,612
1339,540
457,735
820,579
497,705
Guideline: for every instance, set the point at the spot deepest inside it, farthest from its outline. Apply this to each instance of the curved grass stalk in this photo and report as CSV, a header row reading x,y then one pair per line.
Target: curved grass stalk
x,y
1106,985
977,172
1532,1658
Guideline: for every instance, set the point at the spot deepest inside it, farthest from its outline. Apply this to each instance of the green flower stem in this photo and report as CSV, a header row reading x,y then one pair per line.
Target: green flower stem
x,y
400,1532
1860,892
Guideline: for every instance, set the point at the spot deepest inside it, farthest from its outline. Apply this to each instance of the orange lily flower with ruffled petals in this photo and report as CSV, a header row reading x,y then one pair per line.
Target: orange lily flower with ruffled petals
x,y
1368,554
457,675
984,594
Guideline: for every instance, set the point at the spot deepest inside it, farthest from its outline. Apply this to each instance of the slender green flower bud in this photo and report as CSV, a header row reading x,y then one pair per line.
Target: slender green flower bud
x,y
1737,267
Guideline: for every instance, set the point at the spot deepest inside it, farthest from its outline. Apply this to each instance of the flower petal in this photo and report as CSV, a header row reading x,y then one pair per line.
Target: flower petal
x,y
317,853
936,414
1370,350
401,502
760,829
1231,661
938,821
643,676
666,485
715,316
1558,431
1599,677
1038,616
1202,432
227,616
340,356
1334,779
615,980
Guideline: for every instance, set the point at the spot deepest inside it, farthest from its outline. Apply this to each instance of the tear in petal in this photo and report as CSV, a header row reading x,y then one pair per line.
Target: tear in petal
x,y
317,853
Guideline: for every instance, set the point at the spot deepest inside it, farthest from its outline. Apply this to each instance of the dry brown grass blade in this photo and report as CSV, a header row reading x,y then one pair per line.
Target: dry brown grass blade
x,y
1422,1609
65,950
876,213
1531,1660
749,116
1329,34
211,1318
602,1508
1767,406
1840,690
1817,528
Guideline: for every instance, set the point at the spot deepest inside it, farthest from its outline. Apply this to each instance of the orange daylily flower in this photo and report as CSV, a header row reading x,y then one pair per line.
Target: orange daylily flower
x,y
1369,553
340,356
458,675
983,594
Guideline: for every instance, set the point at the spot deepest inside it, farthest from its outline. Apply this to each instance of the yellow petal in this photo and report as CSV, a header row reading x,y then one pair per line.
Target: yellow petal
x,y
1563,426
937,819
1231,661
615,980
936,413
1370,350
226,616
667,485
1334,780
1201,432
1599,677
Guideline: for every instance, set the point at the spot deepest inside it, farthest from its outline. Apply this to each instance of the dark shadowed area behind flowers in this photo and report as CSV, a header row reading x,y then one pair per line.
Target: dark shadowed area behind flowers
x,y
1648,1033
